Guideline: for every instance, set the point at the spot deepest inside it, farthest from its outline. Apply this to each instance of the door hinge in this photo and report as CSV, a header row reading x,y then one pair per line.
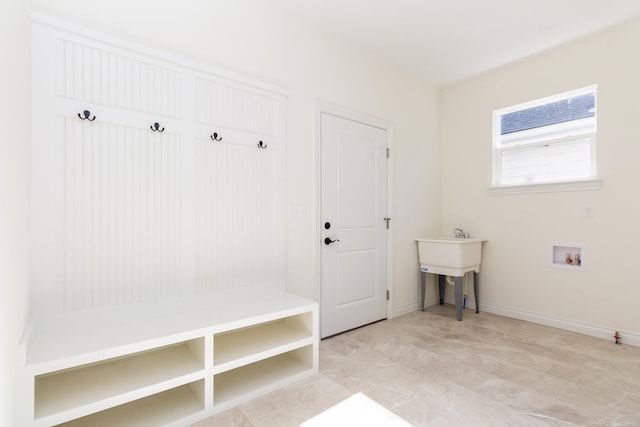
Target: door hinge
x,y
388,296
387,219
388,152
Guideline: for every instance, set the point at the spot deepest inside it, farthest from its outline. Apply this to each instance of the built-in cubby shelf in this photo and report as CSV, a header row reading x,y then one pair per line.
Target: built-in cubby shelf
x,y
236,348
108,382
187,362
162,408
261,376
571,256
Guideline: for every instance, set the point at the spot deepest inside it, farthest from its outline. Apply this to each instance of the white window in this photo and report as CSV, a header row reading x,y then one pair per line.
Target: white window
x,y
546,141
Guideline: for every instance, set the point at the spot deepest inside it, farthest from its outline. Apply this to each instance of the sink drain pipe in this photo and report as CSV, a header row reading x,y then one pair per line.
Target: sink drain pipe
x,y
464,287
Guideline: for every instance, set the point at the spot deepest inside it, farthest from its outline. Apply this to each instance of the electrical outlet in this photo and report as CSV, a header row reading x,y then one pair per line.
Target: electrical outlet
x,y
296,211
588,212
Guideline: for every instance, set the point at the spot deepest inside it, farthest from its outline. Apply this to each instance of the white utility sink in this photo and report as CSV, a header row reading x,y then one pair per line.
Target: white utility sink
x,y
450,256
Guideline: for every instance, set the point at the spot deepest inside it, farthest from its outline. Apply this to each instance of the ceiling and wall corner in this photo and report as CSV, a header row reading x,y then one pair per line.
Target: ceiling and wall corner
x,y
447,41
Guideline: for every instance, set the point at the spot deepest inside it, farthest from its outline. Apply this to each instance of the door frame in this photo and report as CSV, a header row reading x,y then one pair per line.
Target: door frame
x,y
349,114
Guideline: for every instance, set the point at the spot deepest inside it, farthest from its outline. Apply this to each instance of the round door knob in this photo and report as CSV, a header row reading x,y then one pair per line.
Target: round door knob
x,y
328,241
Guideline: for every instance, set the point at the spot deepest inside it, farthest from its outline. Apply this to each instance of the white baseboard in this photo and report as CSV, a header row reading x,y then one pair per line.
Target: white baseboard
x,y
410,308
628,337
405,309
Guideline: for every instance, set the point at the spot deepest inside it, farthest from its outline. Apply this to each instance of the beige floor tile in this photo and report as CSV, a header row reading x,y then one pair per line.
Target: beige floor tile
x,y
487,370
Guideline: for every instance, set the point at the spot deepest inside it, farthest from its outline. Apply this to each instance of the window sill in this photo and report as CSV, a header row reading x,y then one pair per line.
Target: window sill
x,y
587,185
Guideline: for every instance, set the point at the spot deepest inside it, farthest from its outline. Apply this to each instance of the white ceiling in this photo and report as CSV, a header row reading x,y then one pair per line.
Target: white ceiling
x,y
444,41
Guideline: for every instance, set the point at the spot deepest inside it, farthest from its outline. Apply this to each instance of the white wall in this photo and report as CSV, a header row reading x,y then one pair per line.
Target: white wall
x,y
249,37
516,277
15,42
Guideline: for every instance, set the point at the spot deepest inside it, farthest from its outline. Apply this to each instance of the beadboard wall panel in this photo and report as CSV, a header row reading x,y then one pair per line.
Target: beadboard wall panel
x,y
125,213
220,104
115,79
123,208
234,219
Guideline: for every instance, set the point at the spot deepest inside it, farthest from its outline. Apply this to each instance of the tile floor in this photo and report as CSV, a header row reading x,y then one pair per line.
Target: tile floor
x,y
487,370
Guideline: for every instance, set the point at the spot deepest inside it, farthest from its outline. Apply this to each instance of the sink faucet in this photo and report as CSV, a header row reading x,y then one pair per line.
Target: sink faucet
x,y
459,233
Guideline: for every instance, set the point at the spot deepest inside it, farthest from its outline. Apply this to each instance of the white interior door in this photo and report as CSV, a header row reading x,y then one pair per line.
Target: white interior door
x,y
354,226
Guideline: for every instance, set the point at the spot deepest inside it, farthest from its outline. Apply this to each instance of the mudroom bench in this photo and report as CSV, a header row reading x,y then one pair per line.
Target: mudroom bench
x,y
166,364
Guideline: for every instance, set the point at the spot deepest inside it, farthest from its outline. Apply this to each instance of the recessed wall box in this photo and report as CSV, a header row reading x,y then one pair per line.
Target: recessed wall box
x,y
570,256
